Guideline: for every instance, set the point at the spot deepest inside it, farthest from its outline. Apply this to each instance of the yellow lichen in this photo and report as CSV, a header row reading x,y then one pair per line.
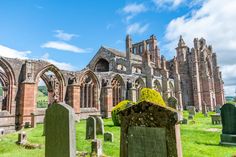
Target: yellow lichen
x,y
152,96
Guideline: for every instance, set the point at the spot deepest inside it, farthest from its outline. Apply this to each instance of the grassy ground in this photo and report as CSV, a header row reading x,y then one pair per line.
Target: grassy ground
x,y
199,139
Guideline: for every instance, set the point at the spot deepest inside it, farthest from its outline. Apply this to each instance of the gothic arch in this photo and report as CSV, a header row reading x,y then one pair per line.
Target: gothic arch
x,y
118,89
55,83
171,89
101,65
157,86
89,90
139,84
8,80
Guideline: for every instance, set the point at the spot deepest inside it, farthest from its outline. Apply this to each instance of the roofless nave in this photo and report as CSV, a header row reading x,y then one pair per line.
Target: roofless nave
x,y
193,77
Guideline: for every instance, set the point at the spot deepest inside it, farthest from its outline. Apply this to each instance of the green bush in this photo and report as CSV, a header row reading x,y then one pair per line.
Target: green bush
x,y
119,107
152,96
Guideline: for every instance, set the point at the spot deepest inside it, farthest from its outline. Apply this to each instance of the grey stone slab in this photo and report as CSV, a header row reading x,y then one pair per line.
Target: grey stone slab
x,y
60,139
91,128
108,136
96,147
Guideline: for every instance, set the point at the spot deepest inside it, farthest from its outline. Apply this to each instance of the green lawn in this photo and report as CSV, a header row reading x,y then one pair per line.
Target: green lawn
x,y
199,139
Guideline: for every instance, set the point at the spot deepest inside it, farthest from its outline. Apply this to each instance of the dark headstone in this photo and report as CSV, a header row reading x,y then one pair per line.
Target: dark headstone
x,y
60,131
108,136
2,131
91,128
190,116
228,116
96,147
184,121
151,130
27,124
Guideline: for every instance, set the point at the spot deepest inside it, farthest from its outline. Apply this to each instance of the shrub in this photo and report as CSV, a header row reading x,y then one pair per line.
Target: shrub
x,y
119,107
152,96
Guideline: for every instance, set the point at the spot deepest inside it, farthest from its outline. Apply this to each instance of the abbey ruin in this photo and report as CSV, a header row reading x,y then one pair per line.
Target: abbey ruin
x,y
193,77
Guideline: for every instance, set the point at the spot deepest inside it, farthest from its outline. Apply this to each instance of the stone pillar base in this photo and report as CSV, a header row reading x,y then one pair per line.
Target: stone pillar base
x,y
228,139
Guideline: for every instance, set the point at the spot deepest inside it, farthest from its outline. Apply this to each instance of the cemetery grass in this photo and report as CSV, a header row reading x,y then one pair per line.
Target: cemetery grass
x,y
199,139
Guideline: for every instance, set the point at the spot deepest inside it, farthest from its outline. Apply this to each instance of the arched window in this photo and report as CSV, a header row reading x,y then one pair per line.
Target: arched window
x,y
117,90
102,65
157,86
88,91
139,84
171,89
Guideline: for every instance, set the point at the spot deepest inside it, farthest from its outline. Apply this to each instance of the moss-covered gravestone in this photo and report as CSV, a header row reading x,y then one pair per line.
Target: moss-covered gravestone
x,y
228,116
60,139
150,130
91,128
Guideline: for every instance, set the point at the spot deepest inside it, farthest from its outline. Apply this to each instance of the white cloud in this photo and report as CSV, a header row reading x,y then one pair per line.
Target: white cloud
x,y
60,65
136,28
133,9
64,47
171,4
60,34
215,21
12,53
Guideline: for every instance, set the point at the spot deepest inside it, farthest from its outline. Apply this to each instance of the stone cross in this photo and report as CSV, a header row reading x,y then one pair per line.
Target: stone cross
x,y
91,128
60,139
96,147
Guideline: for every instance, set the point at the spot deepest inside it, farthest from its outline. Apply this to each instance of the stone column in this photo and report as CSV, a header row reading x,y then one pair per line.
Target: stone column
x,y
74,97
27,101
132,94
108,100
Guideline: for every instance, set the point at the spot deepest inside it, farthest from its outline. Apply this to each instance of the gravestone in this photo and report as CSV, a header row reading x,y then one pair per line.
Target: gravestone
x,y
173,102
2,132
204,109
108,136
60,139
99,124
22,138
190,117
184,121
217,109
228,116
150,130
33,120
96,147
91,128
216,119
192,110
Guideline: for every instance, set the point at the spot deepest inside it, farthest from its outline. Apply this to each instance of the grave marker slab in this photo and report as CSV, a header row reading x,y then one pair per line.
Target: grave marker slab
x,y
150,130
108,136
22,138
60,139
99,124
96,147
91,128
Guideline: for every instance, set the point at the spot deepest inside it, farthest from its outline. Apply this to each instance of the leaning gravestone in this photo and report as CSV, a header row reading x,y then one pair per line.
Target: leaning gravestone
x,y
150,130
228,116
90,128
60,139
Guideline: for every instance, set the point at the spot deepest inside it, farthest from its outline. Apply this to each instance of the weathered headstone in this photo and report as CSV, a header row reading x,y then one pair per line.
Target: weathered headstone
x,y
60,139
99,124
204,109
217,109
27,124
216,119
22,138
192,110
33,120
91,128
228,116
150,130
190,116
108,136
173,102
96,147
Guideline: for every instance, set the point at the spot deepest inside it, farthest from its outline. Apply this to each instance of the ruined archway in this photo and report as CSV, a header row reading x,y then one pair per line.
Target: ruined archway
x,y
7,81
118,89
102,65
89,87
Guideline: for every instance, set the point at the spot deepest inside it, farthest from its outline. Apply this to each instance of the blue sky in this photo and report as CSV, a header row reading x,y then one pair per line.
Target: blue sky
x,y
69,33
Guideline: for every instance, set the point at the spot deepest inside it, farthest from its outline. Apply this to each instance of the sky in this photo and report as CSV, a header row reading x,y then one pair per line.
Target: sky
x,y
68,33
